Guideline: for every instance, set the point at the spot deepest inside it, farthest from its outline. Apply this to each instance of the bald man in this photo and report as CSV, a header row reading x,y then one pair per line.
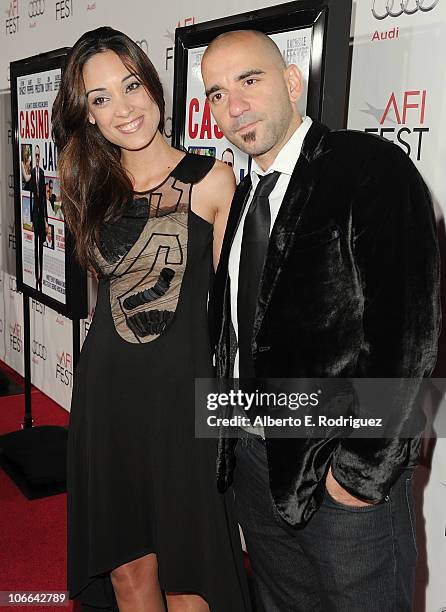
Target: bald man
x,y
329,268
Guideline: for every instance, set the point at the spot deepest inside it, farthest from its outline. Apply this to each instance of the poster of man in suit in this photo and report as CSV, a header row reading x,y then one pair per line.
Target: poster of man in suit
x,y
42,223
39,215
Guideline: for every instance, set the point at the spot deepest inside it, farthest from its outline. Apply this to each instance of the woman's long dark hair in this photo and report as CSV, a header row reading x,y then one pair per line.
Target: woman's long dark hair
x,y
94,185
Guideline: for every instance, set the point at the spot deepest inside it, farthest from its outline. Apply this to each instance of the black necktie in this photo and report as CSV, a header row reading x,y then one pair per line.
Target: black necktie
x,y
252,258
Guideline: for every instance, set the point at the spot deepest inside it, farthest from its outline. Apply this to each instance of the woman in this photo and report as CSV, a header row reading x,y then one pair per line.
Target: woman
x,y
26,167
144,516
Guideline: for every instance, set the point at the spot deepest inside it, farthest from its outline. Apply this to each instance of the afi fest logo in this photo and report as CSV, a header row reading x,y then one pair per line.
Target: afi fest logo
x,y
381,9
12,18
15,337
11,236
406,113
64,369
64,9
188,21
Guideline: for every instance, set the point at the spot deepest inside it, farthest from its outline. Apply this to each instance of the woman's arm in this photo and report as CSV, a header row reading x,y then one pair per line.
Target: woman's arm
x,y
211,200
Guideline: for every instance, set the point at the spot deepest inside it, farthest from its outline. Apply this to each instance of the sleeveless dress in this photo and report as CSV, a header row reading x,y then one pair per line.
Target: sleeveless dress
x,y
138,480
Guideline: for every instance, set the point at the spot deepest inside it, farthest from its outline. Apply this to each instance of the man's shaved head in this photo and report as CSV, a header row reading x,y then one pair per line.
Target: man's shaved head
x,y
248,36
251,92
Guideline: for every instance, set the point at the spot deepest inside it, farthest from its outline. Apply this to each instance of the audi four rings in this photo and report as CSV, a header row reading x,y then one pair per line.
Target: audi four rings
x,y
39,350
36,8
408,7
143,44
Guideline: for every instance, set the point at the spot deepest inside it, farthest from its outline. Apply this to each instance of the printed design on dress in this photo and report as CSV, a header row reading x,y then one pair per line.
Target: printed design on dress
x,y
145,283
161,250
152,293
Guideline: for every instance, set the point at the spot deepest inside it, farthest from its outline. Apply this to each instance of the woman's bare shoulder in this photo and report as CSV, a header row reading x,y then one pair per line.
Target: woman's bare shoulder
x,y
218,182
212,196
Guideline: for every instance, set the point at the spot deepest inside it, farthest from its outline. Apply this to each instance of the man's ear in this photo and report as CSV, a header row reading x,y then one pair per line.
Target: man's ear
x,y
294,81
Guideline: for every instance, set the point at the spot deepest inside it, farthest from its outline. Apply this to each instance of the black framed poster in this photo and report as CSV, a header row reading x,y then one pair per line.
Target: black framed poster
x,y
46,268
313,34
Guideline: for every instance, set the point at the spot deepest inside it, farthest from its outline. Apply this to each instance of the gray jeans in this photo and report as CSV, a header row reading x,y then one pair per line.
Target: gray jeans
x,y
346,559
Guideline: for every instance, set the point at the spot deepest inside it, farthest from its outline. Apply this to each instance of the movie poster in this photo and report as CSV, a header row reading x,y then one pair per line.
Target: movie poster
x,y
202,135
42,224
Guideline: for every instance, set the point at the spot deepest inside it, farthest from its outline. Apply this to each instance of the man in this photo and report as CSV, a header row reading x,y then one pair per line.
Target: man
x,y
329,268
227,157
49,236
39,215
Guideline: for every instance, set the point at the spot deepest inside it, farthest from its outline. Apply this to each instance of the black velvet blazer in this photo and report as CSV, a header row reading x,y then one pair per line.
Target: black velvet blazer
x,y
350,288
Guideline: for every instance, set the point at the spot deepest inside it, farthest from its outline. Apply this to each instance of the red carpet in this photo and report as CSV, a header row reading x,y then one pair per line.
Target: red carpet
x,y
32,533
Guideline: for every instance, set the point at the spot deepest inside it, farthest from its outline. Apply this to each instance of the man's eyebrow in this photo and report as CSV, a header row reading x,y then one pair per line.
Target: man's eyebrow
x,y
129,76
212,90
248,73
240,77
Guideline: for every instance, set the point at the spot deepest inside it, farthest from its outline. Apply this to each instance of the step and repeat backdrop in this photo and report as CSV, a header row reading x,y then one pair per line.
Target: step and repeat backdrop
x,y
398,90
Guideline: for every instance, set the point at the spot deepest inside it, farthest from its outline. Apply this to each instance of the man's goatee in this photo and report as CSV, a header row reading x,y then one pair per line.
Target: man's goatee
x,y
249,137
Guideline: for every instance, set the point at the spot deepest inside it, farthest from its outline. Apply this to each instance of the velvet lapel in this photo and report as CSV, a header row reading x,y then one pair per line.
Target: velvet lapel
x,y
295,199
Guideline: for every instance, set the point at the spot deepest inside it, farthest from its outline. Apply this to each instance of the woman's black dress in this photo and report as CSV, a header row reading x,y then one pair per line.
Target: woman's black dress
x,y
138,480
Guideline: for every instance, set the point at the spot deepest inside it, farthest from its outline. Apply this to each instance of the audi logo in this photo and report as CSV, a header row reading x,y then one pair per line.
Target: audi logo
x,y
408,7
39,350
143,44
36,8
